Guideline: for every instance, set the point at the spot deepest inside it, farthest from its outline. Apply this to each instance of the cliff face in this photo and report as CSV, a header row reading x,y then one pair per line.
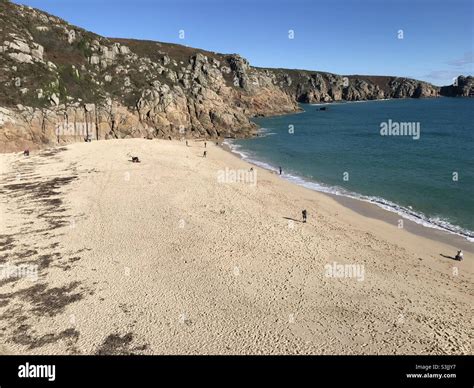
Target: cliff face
x,y
463,86
61,83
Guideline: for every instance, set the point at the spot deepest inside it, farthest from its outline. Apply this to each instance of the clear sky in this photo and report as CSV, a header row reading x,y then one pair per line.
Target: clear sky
x,y
341,36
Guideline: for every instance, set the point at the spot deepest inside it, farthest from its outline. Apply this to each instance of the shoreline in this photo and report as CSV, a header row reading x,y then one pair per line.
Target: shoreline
x,y
372,210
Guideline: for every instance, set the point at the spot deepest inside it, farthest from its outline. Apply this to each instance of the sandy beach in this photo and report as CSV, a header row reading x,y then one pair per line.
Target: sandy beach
x,y
185,254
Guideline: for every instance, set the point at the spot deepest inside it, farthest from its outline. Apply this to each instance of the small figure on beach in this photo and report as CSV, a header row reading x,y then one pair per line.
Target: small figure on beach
x,y
187,143
459,256
251,169
135,159
304,214
204,154
217,143
26,152
279,168
205,144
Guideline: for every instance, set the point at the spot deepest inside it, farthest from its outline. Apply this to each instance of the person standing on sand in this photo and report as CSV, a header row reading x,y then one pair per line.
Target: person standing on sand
x,y
205,144
280,169
304,213
204,154
186,143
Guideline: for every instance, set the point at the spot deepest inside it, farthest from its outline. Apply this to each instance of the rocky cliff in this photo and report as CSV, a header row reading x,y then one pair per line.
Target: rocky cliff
x,y
60,83
462,86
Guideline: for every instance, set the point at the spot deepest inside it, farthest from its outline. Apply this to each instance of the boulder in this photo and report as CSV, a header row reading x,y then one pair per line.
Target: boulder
x,y
19,45
71,36
124,50
94,59
21,57
37,52
54,99
89,107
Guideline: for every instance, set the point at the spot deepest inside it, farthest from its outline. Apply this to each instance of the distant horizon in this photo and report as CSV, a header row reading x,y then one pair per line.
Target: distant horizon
x,y
385,58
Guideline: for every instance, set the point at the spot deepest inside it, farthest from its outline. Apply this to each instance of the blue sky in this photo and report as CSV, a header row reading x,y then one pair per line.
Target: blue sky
x,y
341,36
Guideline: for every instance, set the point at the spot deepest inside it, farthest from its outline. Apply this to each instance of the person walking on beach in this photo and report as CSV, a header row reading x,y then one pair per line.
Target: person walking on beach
x,y
187,143
204,154
459,256
280,169
304,213
205,144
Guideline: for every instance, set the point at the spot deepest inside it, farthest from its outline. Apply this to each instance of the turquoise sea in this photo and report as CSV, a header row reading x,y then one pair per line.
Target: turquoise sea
x,y
340,150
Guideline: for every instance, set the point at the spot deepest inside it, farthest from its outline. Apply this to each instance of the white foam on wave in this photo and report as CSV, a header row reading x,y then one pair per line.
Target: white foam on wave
x,y
405,212
264,132
235,148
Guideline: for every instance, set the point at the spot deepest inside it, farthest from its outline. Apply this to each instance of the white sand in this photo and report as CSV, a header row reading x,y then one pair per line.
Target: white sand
x,y
161,258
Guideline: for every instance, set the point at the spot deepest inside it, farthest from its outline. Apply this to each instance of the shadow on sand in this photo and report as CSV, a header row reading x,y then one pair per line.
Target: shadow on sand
x,y
448,257
292,219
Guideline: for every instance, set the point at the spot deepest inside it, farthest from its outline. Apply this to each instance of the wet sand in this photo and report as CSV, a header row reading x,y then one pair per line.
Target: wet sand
x,y
371,210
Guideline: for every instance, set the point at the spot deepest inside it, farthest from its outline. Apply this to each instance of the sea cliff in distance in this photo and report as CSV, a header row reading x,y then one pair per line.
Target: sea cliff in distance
x,y
61,83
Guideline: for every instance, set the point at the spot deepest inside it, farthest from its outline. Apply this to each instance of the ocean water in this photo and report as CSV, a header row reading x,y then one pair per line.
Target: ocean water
x,y
429,180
